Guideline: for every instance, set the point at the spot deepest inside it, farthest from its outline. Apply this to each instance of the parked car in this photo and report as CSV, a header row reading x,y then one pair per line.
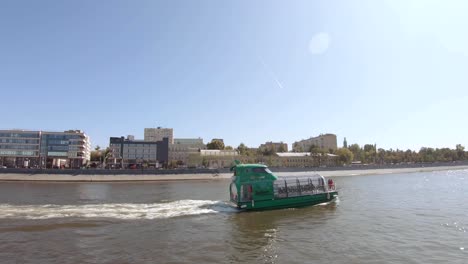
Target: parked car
x,y
3,167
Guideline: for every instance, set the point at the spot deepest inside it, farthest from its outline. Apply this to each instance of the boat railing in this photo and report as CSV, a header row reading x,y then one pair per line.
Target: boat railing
x,y
292,187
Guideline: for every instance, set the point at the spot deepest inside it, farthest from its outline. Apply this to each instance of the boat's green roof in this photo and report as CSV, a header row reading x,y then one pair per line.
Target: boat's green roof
x,y
251,166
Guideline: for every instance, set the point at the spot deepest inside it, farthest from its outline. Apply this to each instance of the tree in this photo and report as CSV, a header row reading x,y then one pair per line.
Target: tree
x,y
215,144
460,152
314,149
281,148
297,148
242,149
369,148
345,155
172,164
268,151
427,154
205,162
95,155
356,150
228,148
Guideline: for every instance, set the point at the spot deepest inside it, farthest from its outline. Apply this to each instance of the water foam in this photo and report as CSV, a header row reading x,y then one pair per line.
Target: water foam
x,y
120,211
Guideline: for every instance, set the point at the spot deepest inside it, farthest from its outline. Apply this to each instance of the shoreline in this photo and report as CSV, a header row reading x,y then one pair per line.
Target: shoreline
x,y
24,177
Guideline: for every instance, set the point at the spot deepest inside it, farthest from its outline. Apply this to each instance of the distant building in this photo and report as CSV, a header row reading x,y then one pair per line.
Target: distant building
x,y
306,159
213,158
157,134
44,149
71,147
126,152
324,141
188,141
183,148
275,146
345,143
217,152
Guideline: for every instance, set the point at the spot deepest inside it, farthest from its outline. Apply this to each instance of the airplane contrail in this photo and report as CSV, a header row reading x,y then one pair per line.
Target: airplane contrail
x,y
272,74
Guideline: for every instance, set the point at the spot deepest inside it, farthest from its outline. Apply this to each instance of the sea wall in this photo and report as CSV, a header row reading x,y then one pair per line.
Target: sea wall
x,y
105,176
76,172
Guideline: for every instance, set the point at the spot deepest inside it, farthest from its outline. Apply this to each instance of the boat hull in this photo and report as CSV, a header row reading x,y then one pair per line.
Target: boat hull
x,y
298,201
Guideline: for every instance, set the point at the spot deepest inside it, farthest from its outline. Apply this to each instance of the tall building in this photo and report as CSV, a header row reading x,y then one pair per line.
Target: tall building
x,y
44,149
275,146
157,134
128,151
324,141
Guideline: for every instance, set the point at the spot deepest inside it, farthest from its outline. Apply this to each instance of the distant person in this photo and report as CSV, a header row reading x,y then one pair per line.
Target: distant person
x,y
331,184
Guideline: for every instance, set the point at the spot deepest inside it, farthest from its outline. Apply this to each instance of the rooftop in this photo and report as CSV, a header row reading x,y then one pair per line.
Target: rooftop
x,y
251,166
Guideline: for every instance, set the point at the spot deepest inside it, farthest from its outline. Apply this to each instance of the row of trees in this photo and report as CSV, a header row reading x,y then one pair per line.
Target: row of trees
x,y
370,154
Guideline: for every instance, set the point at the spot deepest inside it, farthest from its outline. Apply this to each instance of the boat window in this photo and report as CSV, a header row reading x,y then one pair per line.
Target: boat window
x,y
258,170
280,189
246,193
233,192
291,187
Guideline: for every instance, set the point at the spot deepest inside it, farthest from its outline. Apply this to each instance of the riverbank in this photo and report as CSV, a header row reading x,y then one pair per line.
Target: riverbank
x,y
5,176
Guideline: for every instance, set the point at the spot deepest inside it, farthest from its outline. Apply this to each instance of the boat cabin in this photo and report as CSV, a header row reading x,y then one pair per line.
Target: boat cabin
x,y
256,184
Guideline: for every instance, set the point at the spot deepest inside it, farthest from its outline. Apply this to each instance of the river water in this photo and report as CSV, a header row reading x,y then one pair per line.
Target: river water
x,y
394,218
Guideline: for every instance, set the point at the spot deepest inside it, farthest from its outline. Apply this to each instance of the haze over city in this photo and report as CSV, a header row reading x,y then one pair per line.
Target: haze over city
x,y
385,72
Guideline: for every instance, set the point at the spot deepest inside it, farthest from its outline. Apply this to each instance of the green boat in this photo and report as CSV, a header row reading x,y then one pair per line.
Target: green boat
x,y
255,187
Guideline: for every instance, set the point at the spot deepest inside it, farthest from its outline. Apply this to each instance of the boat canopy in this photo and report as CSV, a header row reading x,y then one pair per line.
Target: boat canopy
x,y
251,173
298,186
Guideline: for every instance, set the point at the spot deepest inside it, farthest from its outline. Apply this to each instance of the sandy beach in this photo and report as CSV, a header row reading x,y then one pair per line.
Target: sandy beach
x,y
5,176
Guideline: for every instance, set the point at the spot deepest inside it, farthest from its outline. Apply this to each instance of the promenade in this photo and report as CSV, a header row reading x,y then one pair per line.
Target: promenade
x,y
204,175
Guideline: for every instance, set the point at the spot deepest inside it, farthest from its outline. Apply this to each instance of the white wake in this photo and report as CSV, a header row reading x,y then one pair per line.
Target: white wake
x,y
120,211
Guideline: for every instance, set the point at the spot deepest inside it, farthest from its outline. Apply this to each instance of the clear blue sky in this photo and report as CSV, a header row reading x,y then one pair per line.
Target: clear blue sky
x,y
393,73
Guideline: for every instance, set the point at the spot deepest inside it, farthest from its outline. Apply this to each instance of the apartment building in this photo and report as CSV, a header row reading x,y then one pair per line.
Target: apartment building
x,y
274,146
323,141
